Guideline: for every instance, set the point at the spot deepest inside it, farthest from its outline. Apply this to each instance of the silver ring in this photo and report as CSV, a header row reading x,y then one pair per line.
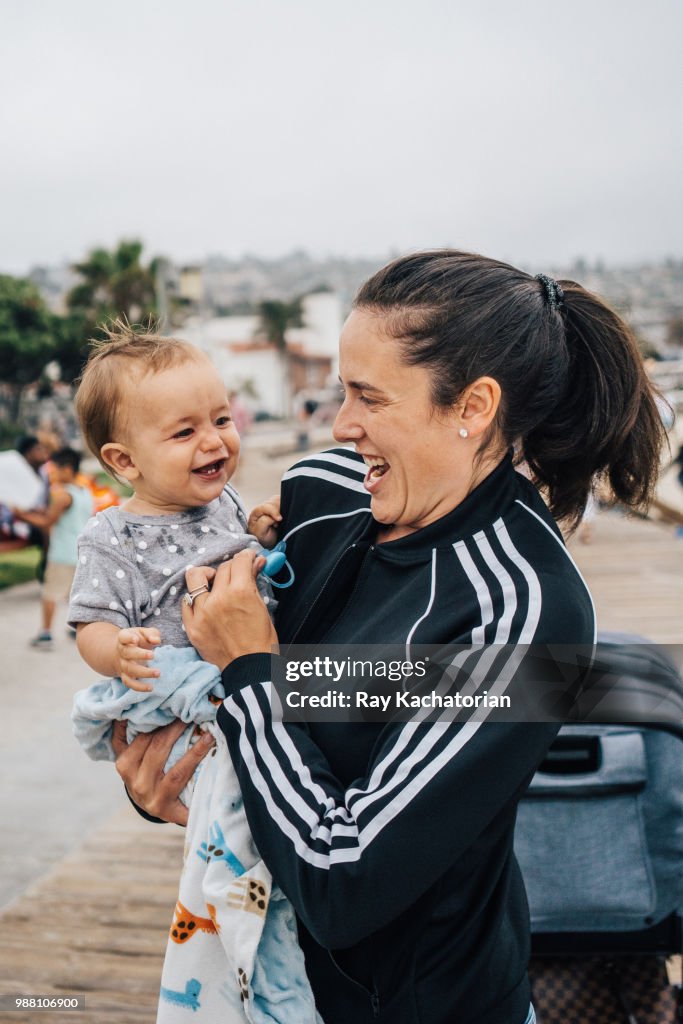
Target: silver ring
x,y
190,597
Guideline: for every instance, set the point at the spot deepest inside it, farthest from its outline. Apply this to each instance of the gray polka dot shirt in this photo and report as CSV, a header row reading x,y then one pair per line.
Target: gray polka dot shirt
x,y
131,568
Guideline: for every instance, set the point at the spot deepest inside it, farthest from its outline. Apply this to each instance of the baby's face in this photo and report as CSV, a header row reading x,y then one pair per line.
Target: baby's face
x,y
180,435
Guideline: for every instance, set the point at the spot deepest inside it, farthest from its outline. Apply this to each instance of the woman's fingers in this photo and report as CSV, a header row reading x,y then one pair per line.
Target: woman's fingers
x,y
118,738
141,766
131,757
231,620
248,569
177,777
199,576
195,578
239,571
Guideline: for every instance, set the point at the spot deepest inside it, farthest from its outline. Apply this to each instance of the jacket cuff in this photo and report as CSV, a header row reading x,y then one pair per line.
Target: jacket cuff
x,y
246,671
144,814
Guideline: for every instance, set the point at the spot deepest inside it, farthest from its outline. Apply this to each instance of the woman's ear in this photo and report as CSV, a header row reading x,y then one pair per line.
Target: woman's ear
x,y
120,461
478,406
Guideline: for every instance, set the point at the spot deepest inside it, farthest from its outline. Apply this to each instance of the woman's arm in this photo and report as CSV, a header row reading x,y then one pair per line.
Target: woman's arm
x,y
351,860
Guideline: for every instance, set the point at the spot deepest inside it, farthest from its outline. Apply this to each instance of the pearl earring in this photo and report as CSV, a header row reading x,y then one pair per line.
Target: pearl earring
x,y
464,432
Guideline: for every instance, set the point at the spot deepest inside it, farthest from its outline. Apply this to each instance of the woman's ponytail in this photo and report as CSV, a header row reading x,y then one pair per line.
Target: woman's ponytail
x,y
606,425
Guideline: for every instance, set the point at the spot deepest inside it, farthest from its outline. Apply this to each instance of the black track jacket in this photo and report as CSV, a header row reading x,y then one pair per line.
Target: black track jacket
x,y
394,841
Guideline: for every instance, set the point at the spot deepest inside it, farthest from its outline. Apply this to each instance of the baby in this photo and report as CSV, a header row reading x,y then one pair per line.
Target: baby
x,y
155,412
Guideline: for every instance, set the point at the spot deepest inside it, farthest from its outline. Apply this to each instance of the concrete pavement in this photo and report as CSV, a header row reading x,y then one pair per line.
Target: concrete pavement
x,y
51,794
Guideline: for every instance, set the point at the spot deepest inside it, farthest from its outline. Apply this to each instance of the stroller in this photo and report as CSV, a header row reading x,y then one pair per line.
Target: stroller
x,y
599,834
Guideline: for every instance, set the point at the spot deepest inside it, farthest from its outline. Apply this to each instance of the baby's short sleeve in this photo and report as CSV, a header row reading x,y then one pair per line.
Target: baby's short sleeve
x,y
106,586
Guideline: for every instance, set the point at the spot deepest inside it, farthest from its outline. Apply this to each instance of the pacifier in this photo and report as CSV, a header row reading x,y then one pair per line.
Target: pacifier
x,y
276,560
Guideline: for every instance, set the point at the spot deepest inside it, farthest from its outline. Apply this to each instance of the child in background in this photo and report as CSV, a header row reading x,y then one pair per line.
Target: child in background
x,y
155,412
35,453
69,509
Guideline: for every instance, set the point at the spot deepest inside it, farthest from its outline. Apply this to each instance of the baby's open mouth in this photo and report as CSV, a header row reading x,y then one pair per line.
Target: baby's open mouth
x,y
212,469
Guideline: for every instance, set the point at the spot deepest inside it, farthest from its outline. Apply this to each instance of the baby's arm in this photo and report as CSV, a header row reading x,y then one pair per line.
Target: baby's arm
x,y
112,651
263,521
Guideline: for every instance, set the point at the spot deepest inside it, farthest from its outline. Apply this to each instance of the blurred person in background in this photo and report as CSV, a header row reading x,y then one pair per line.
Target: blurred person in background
x,y
69,509
36,454
241,414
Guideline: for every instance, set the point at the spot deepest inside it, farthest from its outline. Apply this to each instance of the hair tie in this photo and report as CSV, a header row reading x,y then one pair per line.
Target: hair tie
x,y
553,292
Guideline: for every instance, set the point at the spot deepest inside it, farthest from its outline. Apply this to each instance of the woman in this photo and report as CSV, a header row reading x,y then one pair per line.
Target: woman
x,y
394,841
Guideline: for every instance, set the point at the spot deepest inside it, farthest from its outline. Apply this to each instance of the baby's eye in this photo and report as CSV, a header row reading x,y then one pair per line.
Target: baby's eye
x,y
186,432
223,421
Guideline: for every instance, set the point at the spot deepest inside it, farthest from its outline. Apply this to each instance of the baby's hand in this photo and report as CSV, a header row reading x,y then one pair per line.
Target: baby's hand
x,y
134,647
263,521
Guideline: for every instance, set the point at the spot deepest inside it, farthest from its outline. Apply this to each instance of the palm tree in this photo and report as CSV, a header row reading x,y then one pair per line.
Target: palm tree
x,y
27,337
113,284
275,317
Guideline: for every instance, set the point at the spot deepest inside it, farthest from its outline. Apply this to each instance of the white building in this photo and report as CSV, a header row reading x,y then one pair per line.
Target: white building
x,y
243,358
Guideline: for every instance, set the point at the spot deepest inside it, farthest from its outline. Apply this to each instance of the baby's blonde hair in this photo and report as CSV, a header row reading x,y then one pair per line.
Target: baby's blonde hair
x,y
102,386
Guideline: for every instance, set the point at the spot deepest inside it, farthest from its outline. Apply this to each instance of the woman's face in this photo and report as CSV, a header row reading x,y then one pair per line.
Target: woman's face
x,y
418,466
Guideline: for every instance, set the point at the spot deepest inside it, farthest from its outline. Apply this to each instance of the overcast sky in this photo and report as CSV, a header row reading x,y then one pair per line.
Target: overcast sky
x,y
530,131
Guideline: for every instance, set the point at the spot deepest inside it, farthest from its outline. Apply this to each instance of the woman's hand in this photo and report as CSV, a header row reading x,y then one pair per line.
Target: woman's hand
x,y
141,766
232,619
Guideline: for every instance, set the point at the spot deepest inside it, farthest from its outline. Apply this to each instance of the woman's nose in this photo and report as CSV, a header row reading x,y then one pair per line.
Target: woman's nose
x,y
345,427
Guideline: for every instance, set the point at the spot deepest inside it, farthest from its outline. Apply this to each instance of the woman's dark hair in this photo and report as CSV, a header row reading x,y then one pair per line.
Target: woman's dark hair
x,y
576,400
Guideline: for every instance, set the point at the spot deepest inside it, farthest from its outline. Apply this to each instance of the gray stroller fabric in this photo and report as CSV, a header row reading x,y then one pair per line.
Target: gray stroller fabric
x,y
599,834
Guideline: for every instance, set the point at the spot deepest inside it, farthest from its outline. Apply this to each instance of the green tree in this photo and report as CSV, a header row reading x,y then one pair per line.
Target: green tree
x,y
275,317
113,283
27,336
71,344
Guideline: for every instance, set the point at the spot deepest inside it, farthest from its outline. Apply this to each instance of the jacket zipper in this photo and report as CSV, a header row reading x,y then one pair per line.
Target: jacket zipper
x,y
320,593
345,610
372,994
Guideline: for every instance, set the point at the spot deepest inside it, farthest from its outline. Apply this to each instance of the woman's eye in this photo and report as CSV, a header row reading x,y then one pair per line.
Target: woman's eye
x,y
365,400
187,432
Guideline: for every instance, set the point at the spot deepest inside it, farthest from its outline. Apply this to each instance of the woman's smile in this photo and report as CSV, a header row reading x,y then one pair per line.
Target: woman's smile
x,y
377,468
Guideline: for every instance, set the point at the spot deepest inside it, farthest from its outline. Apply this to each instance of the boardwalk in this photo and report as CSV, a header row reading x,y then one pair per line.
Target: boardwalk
x,y
635,572
96,924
